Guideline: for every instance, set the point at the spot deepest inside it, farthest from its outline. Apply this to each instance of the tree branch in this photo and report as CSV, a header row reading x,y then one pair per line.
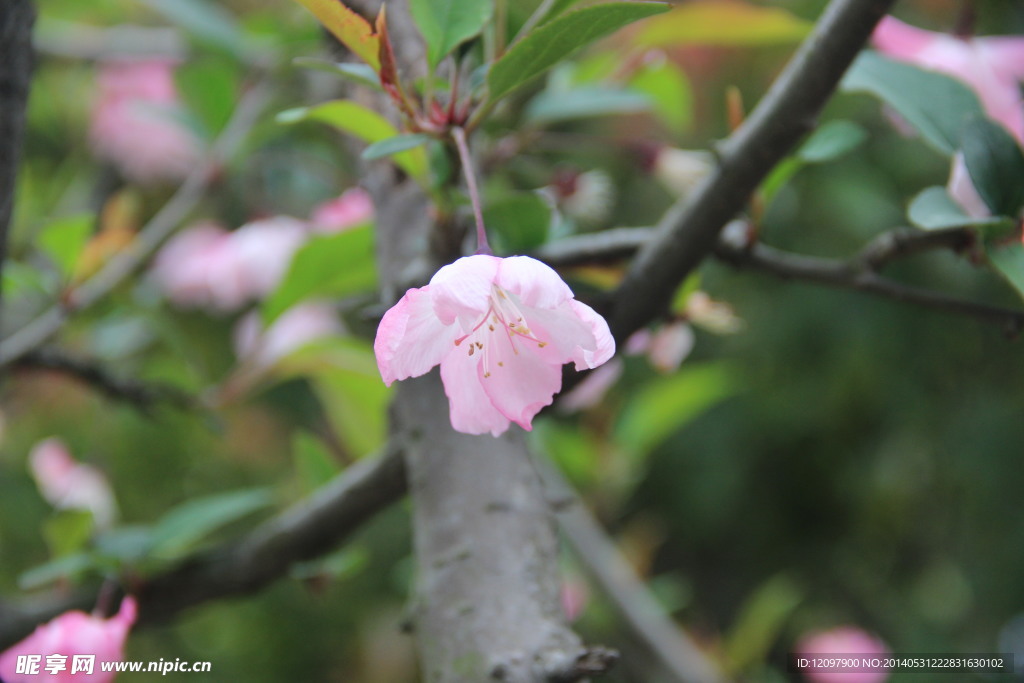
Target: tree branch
x,y
687,233
861,272
140,395
673,650
152,235
16,19
308,529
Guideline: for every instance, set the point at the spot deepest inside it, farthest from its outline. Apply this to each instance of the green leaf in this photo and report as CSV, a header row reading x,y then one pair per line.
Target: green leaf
x,y
350,28
313,462
63,240
327,265
344,375
210,88
60,569
399,143
552,42
184,526
519,221
996,165
934,209
363,74
759,623
779,176
724,22
665,405
445,24
669,89
937,106
365,124
208,22
1008,260
551,106
68,531
125,544
831,141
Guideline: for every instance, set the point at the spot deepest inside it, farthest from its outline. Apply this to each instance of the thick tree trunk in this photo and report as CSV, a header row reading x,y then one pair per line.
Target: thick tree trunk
x,y
16,19
487,601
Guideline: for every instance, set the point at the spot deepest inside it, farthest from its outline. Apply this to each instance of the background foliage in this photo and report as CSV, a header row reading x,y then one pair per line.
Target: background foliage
x,y
839,459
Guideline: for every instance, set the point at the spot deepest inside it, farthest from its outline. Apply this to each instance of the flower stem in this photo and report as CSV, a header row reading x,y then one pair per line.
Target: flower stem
x,y
459,135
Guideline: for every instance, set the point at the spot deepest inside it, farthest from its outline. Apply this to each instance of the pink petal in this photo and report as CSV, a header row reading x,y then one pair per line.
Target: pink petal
x,y
521,379
535,283
410,339
592,388
670,346
470,408
902,41
463,288
591,357
1005,52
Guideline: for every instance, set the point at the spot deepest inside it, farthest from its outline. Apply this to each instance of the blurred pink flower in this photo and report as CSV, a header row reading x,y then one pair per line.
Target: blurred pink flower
x,y
501,329
843,640
592,388
993,66
205,266
136,122
72,633
68,484
295,328
666,348
574,596
352,208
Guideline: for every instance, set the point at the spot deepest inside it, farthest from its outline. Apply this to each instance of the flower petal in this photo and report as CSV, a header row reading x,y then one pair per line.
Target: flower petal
x,y
463,288
470,408
605,344
903,41
410,339
535,283
521,379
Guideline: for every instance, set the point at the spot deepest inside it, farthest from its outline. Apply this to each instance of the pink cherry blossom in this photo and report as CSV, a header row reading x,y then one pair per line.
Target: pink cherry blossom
x,y
136,122
992,66
352,208
295,328
205,266
67,484
72,633
501,329
843,640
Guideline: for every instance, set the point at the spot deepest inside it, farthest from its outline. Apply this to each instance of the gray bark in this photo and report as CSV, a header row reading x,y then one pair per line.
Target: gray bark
x,y
16,20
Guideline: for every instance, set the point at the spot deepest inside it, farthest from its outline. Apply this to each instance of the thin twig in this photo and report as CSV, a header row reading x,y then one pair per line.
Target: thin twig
x,y
459,135
142,396
688,231
673,649
861,272
152,235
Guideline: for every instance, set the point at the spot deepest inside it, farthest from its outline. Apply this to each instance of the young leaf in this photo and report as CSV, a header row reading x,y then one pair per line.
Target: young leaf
x,y
1008,260
64,239
934,209
518,221
335,265
445,24
390,146
670,92
724,22
937,106
996,165
831,141
362,74
552,42
185,525
313,462
551,106
210,89
365,124
666,404
352,30
207,22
